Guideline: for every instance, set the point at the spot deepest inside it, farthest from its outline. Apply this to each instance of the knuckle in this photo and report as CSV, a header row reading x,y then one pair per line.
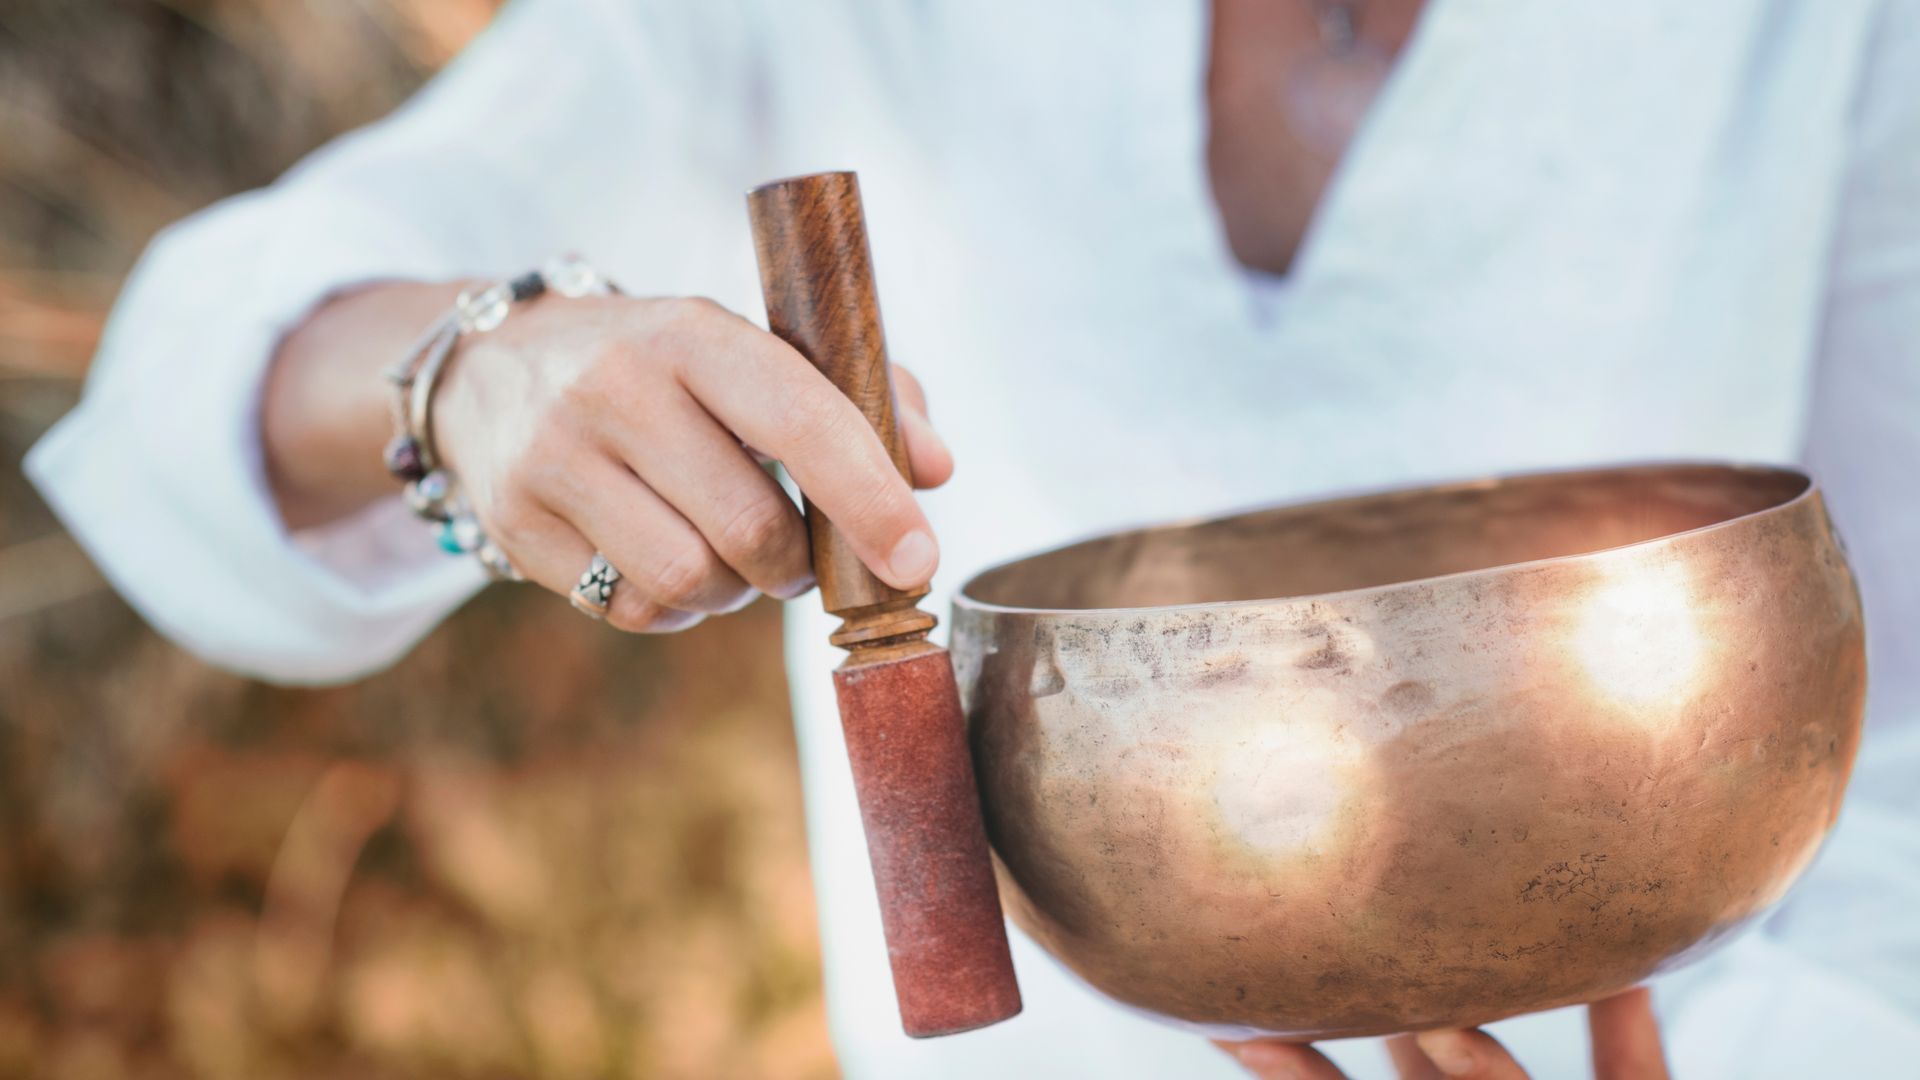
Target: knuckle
x,y
760,529
701,307
689,315
679,329
631,614
634,615
680,580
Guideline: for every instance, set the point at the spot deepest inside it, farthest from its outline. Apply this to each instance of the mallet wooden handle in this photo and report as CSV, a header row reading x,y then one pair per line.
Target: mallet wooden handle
x,y
817,274
906,736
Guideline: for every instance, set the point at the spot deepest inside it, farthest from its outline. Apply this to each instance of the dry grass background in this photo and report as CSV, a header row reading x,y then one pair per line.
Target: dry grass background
x,y
533,849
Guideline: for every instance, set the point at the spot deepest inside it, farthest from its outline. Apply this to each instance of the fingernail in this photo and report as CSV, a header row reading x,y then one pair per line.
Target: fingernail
x,y
913,557
797,587
1450,1051
674,621
1264,1060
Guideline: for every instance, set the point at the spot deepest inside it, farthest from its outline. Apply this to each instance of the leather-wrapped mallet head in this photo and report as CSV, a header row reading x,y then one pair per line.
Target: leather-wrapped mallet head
x,y
906,737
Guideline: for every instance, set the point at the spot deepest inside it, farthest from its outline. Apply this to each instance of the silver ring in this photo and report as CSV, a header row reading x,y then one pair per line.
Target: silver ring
x,y
594,595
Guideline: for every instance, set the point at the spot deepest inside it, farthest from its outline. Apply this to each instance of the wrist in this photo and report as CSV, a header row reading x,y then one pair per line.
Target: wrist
x,y
325,412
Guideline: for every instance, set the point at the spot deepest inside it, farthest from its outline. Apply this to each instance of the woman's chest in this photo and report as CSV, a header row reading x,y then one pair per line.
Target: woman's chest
x,y
1529,259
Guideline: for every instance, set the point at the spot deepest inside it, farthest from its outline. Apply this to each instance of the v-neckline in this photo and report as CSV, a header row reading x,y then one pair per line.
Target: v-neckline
x,y
1260,284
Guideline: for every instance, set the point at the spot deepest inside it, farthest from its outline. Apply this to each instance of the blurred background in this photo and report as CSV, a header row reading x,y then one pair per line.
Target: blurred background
x,y
532,849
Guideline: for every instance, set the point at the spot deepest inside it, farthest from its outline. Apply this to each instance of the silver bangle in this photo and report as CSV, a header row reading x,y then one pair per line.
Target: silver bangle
x,y
420,391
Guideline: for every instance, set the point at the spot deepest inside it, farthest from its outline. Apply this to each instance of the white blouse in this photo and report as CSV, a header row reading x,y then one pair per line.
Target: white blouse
x,y
1569,234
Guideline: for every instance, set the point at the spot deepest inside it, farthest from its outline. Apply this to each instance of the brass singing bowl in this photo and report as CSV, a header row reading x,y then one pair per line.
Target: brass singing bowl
x,y
1418,759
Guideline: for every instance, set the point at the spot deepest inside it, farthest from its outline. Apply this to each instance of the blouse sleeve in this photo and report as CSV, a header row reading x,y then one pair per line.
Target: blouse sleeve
x,y
1830,986
515,152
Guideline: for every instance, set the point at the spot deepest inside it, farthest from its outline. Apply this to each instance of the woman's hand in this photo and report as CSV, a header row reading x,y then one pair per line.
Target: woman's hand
x,y
1625,1040
612,424
623,425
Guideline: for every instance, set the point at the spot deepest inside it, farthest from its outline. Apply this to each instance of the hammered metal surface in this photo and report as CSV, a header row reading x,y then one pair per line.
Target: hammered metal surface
x,y
1498,747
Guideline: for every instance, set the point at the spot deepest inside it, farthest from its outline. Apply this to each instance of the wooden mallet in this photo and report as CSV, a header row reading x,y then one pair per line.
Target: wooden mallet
x,y
898,702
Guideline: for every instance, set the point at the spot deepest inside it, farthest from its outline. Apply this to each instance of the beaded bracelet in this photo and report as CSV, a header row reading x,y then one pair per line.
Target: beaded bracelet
x,y
411,457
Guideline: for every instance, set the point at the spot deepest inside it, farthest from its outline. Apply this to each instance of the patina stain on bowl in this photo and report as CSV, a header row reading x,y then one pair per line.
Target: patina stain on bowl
x,y
1423,758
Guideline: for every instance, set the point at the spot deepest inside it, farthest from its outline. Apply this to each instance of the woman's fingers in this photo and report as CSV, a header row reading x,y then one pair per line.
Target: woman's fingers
x,y
624,425
927,456
1271,1059
1468,1055
1626,1038
906,386
927,453
1626,1046
772,398
1409,1062
657,551
693,463
551,553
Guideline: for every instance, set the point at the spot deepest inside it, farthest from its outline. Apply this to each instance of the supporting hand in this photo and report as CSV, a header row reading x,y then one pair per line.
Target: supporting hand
x,y
1625,1041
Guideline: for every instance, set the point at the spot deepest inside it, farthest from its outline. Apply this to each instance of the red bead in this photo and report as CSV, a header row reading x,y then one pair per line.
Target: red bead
x,y
404,460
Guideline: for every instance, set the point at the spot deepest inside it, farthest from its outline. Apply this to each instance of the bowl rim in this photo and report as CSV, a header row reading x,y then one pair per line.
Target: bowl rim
x,y
963,600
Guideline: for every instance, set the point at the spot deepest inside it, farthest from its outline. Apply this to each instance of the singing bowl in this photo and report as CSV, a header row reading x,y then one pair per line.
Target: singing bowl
x,y
1417,759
